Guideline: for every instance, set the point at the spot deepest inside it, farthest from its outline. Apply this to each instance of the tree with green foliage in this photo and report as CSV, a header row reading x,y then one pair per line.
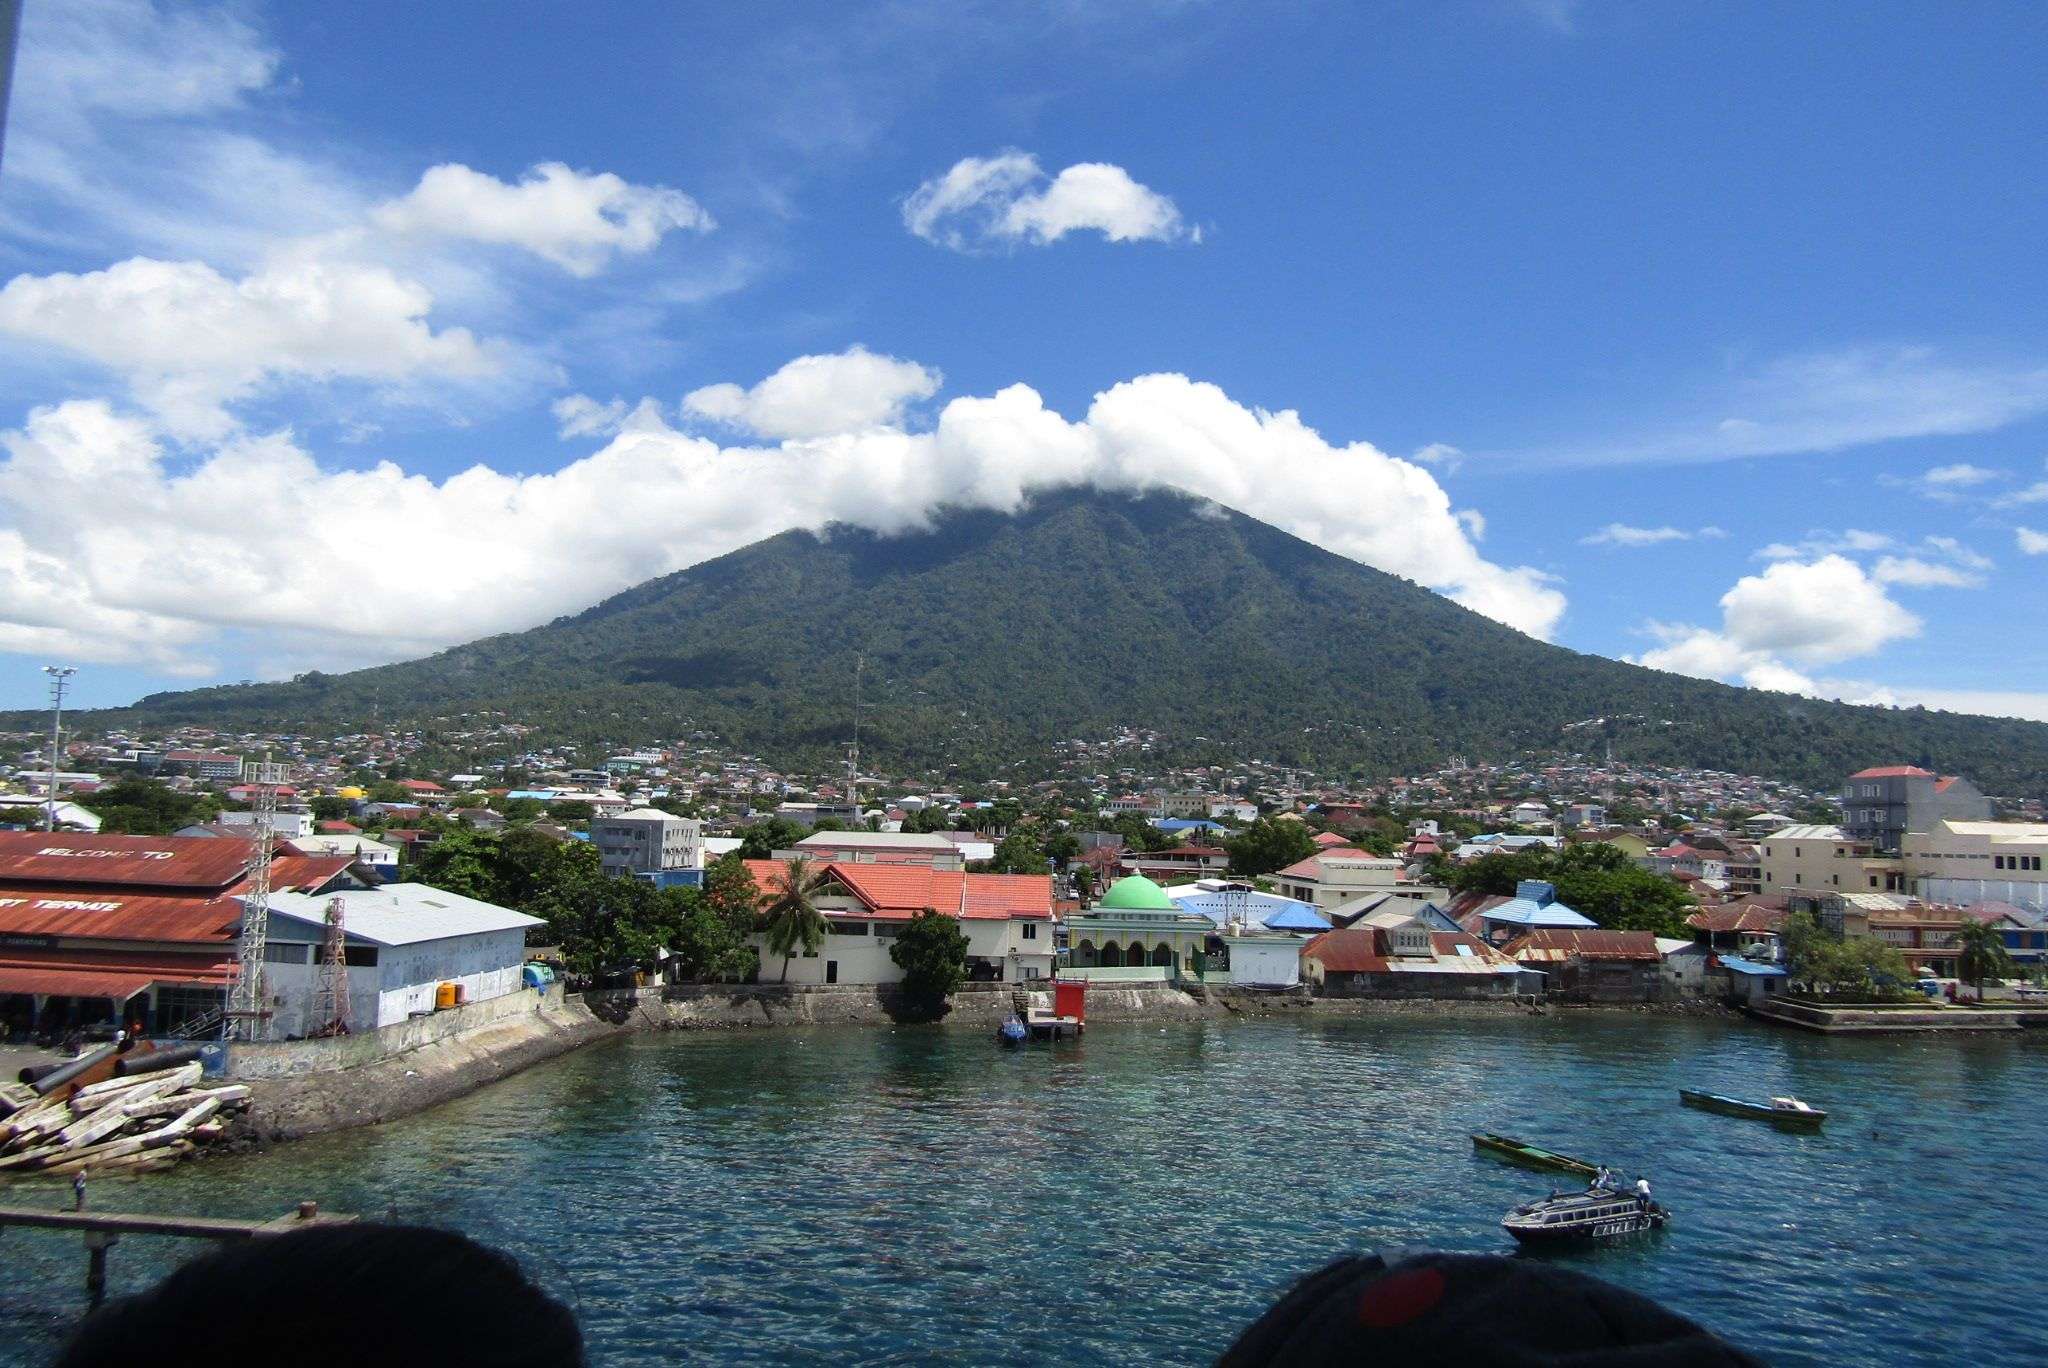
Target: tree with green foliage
x,y
328,808
1020,852
390,791
1268,845
144,807
606,927
571,810
932,953
761,840
927,820
464,862
1840,964
1138,833
791,920
1593,877
1982,954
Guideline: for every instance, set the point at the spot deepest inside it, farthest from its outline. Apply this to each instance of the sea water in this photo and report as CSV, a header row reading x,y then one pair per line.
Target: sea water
x,y
924,1195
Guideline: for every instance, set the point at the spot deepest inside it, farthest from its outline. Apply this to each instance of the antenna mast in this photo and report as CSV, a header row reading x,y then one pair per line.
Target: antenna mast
x,y
248,1013
60,679
329,1014
853,752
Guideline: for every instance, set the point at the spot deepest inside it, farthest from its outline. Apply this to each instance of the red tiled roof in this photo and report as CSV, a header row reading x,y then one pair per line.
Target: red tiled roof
x,y
1892,772
1330,838
421,786
197,863
1556,943
1312,867
1942,784
892,892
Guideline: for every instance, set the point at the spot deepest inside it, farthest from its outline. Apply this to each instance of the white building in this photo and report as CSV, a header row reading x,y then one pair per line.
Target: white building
x,y
289,824
647,841
379,858
1340,876
402,942
930,849
28,810
1007,919
1966,863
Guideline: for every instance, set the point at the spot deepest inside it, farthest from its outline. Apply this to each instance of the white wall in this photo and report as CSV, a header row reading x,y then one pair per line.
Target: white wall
x,y
1265,964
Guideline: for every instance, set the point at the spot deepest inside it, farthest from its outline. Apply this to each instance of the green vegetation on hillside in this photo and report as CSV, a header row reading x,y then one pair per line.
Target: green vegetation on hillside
x,y
991,637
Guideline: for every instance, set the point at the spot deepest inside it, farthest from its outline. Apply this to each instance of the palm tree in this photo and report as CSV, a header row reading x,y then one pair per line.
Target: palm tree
x,y
1982,953
791,920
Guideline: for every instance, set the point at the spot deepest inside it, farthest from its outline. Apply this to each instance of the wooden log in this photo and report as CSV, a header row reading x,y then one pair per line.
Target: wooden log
x,y
94,1127
116,1090
139,1161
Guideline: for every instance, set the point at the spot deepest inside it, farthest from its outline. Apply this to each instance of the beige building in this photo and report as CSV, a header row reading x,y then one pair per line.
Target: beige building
x,y
1340,876
1966,863
1822,859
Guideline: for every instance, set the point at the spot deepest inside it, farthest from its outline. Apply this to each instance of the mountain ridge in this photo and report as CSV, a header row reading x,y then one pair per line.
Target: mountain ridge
x,y
989,637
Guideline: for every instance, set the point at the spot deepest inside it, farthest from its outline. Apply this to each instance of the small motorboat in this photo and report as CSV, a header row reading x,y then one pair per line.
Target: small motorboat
x,y
1012,1031
1579,1217
1535,1156
1788,1112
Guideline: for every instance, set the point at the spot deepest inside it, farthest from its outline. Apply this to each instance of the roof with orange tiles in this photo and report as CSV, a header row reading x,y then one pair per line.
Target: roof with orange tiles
x,y
1557,944
1893,772
1312,867
899,892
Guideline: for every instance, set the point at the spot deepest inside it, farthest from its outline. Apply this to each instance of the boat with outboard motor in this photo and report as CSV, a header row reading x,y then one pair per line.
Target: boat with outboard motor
x,y
1012,1031
1788,1112
1598,1213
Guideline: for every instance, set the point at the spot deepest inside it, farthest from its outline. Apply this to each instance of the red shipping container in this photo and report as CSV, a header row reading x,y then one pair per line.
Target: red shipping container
x,y
1070,999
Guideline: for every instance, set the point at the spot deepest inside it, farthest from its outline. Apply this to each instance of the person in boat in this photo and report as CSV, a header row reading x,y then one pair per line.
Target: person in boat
x,y
1642,1192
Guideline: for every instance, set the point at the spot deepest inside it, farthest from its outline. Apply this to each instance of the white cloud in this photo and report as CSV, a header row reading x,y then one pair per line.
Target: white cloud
x,y
1007,200
2032,707
1440,454
2034,493
1959,476
1622,534
119,550
579,415
188,340
1806,613
1830,401
575,219
2031,543
816,396
1823,543
1920,574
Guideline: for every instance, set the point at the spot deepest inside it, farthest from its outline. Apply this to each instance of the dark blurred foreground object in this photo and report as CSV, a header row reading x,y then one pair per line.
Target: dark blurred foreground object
x,y
1470,1310
337,1295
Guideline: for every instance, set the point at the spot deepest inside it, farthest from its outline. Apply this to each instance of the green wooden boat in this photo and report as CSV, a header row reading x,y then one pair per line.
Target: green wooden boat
x,y
1535,1156
1788,1112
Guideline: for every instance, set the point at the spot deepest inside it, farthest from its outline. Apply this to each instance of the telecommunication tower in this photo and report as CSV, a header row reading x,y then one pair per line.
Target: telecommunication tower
x,y
60,680
329,1013
248,1007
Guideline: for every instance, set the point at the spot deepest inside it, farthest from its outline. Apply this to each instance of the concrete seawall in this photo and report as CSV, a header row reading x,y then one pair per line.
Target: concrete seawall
x,y
306,1088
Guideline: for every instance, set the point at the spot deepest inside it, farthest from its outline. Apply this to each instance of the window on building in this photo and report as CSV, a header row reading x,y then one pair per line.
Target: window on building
x,y
1030,930
275,952
359,956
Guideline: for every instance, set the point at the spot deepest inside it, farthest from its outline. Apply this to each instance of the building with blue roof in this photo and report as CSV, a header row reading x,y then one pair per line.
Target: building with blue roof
x,y
1752,980
1223,901
1533,908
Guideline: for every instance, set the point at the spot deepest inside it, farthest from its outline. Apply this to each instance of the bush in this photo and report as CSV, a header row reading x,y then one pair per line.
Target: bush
x,y
932,953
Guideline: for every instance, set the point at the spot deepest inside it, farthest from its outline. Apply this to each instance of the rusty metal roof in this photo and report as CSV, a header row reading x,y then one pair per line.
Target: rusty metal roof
x,y
1558,944
151,968
197,863
118,916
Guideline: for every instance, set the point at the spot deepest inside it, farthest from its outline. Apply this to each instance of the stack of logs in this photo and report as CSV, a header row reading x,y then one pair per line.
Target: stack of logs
x,y
111,1111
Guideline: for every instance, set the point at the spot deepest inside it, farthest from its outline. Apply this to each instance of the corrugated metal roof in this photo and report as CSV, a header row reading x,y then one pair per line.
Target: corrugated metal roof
x,y
118,916
1367,950
189,862
154,968
85,983
403,913
898,892
1527,912
1555,945
1737,917
1807,831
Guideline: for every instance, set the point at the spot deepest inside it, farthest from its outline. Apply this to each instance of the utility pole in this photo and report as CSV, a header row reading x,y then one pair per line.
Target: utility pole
x,y
60,680
248,1011
860,663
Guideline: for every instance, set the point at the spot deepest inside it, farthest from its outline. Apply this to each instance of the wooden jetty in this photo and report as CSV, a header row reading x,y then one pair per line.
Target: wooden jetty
x,y
104,1229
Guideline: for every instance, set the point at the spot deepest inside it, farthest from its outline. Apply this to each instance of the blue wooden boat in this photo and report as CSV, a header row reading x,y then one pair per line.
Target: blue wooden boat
x,y
1787,1112
1012,1032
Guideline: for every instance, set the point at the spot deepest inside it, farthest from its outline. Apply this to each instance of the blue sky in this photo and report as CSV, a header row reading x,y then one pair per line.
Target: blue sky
x,y
1706,336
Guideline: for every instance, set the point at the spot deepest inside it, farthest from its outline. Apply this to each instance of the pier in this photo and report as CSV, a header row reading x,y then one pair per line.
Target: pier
x,y
104,1229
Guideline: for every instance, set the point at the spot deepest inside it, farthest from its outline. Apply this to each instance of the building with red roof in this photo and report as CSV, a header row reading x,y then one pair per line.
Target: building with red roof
x,y
1593,965
106,928
1882,804
1412,960
1008,920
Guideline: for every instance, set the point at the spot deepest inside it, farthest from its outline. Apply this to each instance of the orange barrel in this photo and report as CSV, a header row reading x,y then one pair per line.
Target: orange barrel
x,y
444,997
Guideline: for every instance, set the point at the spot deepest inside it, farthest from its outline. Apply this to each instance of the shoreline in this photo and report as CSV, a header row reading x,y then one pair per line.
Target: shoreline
x,y
430,1074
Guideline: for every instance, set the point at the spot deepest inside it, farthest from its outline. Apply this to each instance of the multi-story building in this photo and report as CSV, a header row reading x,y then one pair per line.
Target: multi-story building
x,y
1880,805
1968,863
1810,858
647,841
202,764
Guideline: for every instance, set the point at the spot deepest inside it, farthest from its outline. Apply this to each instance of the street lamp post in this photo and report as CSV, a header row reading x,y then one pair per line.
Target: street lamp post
x,y
60,680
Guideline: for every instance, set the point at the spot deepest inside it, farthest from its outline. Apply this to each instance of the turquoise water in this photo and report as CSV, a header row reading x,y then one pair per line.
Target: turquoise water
x,y
920,1196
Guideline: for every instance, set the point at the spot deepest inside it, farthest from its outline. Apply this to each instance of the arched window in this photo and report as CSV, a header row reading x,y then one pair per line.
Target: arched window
x,y
1112,956
1084,955
1163,956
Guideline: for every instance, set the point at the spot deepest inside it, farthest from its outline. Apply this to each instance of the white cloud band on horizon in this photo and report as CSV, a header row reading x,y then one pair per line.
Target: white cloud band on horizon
x,y
1622,534
120,552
